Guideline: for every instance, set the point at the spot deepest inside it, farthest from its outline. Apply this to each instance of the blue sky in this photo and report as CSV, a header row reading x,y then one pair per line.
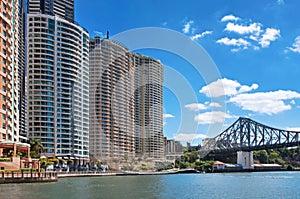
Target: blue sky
x,y
254,44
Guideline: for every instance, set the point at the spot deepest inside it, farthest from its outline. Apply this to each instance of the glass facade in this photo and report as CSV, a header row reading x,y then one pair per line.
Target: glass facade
x,y
61,8
58,85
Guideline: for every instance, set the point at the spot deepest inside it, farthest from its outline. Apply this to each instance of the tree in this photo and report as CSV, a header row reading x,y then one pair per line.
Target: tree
x,y
194,155
125,157
274,157
262,156
36,147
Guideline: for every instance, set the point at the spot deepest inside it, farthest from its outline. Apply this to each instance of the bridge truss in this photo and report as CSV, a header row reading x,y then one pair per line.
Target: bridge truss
x,y
247,135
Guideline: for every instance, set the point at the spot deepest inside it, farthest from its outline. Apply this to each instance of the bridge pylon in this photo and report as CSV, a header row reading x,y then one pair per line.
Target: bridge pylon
x,y
245,158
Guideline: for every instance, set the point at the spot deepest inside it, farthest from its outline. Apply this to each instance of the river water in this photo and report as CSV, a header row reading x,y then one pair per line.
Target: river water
x,y
227,185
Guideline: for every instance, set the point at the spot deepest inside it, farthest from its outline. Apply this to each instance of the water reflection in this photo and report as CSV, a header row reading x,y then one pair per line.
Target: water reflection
x,y
230,185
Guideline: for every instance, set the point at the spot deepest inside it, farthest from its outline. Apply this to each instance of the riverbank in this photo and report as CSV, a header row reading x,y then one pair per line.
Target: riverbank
x,y
39,177
125,173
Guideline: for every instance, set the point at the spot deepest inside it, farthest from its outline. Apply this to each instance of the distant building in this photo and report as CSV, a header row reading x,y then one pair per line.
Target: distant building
x,y
267,167
148,106
112,133
61,8
173,149
188,144
226,167
125,102
219,165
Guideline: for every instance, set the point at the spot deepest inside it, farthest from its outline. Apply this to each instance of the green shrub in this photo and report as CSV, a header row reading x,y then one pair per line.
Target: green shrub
x,y
28,169
49,163
54,160
5,160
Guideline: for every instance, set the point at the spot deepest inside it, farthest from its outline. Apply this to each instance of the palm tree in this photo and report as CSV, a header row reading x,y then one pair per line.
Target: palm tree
x,y
36,147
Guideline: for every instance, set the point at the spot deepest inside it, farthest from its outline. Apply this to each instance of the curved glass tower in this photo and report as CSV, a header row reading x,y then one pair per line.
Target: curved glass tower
x,y
58,90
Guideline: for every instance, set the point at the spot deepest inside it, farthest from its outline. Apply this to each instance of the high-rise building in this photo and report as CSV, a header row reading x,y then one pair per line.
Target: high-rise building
x,y
148,106
61,8
22,76
9,83
111,100
125,102
58,83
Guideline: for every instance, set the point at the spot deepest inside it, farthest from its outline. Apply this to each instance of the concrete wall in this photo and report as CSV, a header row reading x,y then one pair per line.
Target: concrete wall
x,y
245,159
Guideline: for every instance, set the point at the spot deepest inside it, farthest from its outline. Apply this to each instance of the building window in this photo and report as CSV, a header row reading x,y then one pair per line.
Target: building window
x,y
3,6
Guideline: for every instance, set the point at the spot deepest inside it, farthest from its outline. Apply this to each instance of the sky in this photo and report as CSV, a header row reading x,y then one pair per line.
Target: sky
x,y
254,44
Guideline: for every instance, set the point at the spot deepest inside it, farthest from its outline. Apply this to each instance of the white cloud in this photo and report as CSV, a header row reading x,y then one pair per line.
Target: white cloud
x,y
164,23
212,117
233,42
296,45
187,27
196,106
229,18
256,48
167,116
271,34
253,37
294,129
245,88
265,102
199,106
254,28
215,104
200,35
98,33
251,34
269,103
189,136
225,86
280,2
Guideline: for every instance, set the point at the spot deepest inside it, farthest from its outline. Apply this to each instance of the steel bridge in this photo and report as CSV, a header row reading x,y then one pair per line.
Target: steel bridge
x,y
248,135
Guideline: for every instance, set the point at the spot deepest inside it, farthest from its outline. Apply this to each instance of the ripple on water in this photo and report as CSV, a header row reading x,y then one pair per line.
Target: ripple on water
x,y
230,185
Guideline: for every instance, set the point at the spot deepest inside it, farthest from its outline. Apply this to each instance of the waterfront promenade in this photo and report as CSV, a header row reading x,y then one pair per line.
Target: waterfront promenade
x,y
124,173
27,177
31,177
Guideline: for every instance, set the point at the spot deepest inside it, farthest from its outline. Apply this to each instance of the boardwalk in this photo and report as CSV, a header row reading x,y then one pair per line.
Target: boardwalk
x,y
27,177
